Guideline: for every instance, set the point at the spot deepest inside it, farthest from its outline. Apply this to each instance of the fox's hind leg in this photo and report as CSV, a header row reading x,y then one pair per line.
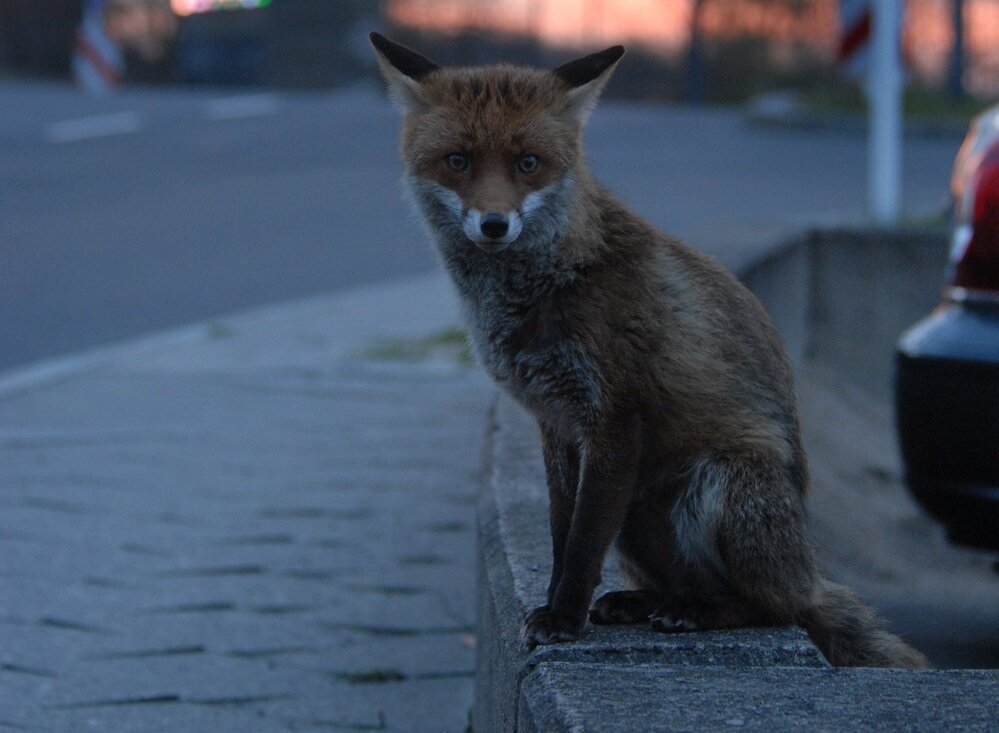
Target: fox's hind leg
x,y
687,606
758,527
742,519
728,551
672,615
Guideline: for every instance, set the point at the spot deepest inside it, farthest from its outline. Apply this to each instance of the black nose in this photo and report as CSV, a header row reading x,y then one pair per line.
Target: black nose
x,y
494,226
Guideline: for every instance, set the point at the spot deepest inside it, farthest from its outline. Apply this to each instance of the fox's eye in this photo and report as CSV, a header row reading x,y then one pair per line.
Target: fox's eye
x,y
528,163
456,161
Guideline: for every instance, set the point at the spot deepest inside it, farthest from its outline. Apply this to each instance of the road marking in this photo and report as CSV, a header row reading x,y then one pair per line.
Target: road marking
x,y
87,128
246,105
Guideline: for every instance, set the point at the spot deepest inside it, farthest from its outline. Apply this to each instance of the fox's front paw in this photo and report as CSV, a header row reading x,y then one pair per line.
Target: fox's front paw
x,y
545,626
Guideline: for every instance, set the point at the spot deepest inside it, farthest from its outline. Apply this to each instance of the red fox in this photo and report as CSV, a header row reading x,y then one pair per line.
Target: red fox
x,y
663,395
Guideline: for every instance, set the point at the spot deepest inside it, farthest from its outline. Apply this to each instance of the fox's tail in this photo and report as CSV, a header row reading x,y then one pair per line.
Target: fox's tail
x,y
852,635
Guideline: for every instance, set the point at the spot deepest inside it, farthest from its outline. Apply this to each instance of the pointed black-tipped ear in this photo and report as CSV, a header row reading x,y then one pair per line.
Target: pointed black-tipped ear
x,y
405,60
583,71
586,79
403,68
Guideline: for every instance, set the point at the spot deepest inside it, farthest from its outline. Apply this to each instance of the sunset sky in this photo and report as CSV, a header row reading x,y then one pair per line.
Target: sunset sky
x,y
663,25
558,22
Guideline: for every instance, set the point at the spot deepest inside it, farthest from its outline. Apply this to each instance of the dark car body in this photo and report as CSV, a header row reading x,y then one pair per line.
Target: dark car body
x,y
947,365
947,401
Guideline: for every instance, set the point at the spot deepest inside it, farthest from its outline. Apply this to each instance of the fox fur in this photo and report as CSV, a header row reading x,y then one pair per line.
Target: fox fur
x,y
664,398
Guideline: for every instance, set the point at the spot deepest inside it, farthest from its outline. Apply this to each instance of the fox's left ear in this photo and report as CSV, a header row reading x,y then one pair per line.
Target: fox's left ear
x,y
586,78
403,68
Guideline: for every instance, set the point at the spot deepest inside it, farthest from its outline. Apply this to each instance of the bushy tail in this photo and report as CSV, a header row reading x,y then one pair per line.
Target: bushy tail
x,y
851,635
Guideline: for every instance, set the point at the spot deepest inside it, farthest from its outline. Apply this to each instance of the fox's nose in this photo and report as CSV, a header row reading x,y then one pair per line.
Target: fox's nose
x,y
494,226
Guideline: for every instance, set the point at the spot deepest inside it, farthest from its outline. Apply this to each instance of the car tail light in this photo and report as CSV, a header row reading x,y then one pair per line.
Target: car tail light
x,y
976,243
975,184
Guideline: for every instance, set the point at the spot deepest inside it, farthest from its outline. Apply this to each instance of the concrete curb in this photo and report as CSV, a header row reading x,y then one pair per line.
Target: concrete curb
x,y
611,698
627,679
57,369
281,334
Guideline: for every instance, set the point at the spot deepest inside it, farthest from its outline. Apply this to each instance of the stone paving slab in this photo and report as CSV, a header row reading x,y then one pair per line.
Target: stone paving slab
x,y
273,548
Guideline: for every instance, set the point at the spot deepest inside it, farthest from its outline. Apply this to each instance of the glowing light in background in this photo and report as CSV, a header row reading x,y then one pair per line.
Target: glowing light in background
x,y
191,7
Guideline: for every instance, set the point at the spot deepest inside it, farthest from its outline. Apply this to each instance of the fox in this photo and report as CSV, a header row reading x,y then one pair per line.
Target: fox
x,y
662,393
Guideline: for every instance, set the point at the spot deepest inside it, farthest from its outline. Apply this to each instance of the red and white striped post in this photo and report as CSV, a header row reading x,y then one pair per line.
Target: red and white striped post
x,y
98,64
854,37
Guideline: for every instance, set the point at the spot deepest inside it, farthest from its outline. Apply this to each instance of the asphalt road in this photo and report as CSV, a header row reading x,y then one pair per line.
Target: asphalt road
x,y
153,208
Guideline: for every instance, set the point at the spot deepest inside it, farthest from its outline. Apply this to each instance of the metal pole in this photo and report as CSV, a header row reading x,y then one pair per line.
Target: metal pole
x,y
884,93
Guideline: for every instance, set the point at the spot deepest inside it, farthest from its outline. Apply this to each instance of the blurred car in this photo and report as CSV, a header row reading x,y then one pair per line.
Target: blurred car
x,y
947,365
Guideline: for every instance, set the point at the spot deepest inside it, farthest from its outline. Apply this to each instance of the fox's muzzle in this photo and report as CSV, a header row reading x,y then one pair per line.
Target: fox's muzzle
x,y
492,231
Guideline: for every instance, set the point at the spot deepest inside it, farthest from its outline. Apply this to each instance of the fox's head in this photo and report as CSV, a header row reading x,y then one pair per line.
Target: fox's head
x,y
492,153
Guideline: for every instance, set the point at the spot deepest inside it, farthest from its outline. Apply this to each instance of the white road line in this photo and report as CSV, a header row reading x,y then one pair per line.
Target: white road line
x,y
86,128
246,105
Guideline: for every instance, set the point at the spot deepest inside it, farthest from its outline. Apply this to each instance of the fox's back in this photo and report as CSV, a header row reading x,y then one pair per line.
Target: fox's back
x,y
658,318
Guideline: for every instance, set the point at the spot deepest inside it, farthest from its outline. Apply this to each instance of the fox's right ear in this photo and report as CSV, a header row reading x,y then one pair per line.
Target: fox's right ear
x,y
403,69
585,79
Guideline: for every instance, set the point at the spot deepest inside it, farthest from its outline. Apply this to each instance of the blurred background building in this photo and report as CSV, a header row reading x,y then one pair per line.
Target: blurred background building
x,y
293,43
693,49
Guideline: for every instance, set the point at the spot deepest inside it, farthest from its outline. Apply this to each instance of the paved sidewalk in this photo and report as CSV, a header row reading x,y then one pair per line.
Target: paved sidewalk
x,y
259,524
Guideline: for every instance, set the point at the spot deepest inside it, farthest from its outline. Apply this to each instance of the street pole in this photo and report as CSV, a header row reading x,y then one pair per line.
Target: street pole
x,y
884,96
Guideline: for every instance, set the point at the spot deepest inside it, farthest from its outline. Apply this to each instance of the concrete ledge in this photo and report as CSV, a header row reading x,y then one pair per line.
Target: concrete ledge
x,y
838,298
558,698
841,297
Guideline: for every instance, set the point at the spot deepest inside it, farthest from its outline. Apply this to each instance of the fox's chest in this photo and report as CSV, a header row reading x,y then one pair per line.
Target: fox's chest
x,y
532,354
